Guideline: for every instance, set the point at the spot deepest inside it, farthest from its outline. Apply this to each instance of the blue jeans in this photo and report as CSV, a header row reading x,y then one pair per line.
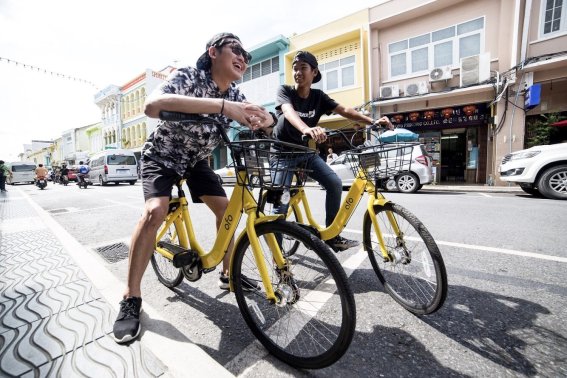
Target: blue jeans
x,y
319,171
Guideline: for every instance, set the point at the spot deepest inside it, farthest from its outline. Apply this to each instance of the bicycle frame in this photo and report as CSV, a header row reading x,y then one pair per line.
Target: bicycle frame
x,y
359,186
240,201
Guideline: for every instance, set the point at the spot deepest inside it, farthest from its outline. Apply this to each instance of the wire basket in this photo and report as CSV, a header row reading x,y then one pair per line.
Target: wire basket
x,y
380,161
264,159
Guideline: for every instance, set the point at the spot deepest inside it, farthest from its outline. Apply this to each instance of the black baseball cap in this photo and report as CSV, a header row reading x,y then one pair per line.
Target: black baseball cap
x,y
204,61
310,59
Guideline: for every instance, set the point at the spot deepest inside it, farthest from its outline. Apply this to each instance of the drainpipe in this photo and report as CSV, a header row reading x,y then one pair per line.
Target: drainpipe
x,y
525,32
523,53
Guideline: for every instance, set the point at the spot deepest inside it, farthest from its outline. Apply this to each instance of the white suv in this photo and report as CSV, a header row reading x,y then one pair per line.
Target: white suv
x,y
407,181
540,170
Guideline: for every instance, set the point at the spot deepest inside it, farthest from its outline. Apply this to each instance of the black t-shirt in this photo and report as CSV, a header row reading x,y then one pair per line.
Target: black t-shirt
x,y
310,110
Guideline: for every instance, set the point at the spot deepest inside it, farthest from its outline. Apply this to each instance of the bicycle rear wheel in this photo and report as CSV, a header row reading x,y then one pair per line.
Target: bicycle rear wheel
x,y
313,324
166,273
415,274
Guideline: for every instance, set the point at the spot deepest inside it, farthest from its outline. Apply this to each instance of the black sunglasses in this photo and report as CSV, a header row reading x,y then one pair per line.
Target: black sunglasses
x,y
238,50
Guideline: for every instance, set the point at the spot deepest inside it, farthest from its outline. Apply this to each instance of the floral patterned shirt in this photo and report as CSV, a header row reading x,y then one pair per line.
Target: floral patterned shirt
x,y
180,145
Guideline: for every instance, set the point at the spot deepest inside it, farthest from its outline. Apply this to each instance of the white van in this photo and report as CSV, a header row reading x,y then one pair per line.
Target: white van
x,y
22,172
113,166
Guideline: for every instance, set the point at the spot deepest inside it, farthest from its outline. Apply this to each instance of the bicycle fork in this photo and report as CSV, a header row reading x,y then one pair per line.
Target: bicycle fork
x,y
380,200
259,255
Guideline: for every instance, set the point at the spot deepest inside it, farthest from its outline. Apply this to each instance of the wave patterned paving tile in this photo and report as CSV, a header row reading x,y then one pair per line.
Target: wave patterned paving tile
x,y
52,320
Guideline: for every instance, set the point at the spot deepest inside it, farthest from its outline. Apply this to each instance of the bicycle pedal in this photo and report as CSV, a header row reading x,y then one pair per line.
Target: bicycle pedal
x,y
181,256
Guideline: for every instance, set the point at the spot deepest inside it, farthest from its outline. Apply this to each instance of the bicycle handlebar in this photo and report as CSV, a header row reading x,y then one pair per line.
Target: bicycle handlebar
x,y
332,132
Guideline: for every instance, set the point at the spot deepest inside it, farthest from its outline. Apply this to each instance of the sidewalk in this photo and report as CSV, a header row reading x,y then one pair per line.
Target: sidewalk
x,y
58,304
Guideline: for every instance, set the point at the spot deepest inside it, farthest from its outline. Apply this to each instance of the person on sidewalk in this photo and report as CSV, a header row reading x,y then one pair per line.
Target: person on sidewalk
x,y
176,149
331,156
4,174
299,109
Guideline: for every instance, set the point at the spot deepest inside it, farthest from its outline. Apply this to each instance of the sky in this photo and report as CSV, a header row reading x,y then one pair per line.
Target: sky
x,y
106,42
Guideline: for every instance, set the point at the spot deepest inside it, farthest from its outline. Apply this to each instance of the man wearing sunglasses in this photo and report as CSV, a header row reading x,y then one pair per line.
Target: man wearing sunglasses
x,y
174,149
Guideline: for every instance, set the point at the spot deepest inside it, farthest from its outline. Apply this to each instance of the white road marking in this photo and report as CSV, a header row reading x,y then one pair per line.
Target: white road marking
x,y
491,249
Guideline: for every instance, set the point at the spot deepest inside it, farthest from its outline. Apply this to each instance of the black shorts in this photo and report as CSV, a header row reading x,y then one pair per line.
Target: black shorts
x,y
157,180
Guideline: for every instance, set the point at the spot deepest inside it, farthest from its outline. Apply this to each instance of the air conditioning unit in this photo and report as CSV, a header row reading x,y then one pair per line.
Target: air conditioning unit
x,y
441,73
475,69
388,91
415,89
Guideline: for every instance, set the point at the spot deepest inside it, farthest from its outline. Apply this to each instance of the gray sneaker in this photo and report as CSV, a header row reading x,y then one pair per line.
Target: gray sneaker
x,y
338,243
127,325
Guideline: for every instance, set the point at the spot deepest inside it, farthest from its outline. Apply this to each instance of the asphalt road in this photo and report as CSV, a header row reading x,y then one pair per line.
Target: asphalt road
x,y
504,315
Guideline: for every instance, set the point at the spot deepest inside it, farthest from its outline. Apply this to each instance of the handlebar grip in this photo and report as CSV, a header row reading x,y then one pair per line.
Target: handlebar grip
x,y
178,116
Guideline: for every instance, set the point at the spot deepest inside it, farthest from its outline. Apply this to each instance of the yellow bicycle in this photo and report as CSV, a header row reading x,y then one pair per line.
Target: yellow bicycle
x,y
402,252
300,307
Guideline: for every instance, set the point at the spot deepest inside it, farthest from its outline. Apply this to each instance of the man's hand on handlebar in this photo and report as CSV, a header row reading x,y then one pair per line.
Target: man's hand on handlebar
x,y
384,122
316,133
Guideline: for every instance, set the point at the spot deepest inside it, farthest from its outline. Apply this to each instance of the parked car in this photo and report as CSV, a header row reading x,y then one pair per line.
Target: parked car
x,y
22,172
226,175
410,180
539,170
72,176
113,166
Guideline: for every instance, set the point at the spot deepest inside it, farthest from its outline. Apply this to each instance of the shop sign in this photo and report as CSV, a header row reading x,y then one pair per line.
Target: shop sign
x,y
468,115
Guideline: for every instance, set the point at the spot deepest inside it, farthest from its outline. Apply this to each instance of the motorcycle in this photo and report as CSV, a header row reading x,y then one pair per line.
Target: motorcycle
x,y
41,183
83,181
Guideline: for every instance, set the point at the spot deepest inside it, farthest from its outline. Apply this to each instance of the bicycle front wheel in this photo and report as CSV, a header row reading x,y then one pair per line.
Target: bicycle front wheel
x,y
312,324
166,273
289,246
414,273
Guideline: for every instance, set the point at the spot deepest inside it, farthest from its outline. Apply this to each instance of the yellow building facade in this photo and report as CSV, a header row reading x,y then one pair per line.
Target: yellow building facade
x,y
341,51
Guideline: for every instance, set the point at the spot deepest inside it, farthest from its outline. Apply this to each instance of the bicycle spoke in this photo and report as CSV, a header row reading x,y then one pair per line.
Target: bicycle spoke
x,y
308,322
414,273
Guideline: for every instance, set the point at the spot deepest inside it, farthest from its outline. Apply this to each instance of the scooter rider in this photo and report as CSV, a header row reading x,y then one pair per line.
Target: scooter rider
x,y
40,172
82,172
64,174
41,176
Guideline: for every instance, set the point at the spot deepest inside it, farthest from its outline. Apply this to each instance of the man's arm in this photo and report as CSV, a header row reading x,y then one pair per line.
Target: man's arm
x,y
316,133
247,114
352,114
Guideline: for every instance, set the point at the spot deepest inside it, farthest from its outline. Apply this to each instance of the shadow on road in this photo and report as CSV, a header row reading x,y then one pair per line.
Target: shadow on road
x,y
503,329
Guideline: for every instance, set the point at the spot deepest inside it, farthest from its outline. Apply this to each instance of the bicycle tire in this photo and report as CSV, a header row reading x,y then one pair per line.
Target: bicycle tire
x,y
289,245
315,327
166,273
419,285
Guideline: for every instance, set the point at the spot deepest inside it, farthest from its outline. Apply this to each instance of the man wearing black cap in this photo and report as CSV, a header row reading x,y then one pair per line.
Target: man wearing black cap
x,y
174,149
299,109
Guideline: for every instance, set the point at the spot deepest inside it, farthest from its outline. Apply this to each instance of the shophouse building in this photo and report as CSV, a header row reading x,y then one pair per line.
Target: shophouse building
x,y
341,51
457,73
124,124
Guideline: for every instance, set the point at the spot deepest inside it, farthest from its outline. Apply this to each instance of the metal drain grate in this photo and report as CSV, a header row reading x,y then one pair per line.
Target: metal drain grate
x,y
113,252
